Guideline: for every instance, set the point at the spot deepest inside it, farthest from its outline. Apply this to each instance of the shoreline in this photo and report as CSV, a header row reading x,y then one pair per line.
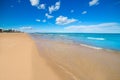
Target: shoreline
x,y
81,44
25,58
99,48
82,62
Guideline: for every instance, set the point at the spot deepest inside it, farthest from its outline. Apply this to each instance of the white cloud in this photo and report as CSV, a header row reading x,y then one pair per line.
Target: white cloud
x,y
54,7
26,28
34,2
51,9
61,20
98,28
44,20
57,5
41,6
84,12
38,20
48,16
93,2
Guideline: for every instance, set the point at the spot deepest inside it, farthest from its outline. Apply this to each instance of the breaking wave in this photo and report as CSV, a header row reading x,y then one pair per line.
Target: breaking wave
x,y
93,38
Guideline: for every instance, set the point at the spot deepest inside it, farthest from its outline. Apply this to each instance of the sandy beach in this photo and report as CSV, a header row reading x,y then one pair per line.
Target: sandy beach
x,y
21,59
79,62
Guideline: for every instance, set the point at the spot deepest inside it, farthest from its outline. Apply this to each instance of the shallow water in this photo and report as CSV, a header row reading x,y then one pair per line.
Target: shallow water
x,y
105,41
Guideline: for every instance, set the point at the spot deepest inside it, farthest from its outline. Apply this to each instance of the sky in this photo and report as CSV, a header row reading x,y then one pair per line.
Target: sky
x,y
79,16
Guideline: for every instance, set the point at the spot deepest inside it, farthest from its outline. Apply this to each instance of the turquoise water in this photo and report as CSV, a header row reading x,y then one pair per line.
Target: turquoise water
x,y
106,41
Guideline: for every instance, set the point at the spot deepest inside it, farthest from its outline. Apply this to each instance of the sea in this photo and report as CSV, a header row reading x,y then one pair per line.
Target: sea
x,y
108,41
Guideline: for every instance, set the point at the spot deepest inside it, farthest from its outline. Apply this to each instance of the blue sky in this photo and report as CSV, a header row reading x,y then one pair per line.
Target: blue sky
x,y
87,16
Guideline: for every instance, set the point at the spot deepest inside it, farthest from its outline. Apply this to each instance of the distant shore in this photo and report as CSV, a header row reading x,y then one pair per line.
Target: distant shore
x,y
26,58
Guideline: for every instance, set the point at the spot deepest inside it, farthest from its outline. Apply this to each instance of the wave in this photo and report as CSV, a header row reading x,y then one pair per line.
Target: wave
x,y
93,38
93,47
63,35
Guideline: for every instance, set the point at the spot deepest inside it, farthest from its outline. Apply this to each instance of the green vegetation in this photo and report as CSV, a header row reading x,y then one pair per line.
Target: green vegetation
x,y
9,31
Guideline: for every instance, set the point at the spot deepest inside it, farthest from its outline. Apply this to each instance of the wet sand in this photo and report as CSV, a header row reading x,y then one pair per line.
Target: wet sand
x,y
76,62
20,60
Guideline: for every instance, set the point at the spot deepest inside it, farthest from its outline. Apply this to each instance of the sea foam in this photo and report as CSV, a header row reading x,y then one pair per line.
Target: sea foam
x,y
93,38
93,47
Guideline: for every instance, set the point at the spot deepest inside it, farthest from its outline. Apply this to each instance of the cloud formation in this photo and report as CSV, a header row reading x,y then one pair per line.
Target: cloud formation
x,y
34,2
84,12
98,28
93,2
26,28
61,20
48,16
41,6
38,20
54,7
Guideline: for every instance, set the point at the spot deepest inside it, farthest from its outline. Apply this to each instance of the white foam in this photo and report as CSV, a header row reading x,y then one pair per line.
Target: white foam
x,y
63,35
95,38
93,47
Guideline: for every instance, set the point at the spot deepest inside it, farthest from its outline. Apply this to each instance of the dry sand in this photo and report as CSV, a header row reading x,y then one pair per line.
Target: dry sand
x,y
78,62
20,60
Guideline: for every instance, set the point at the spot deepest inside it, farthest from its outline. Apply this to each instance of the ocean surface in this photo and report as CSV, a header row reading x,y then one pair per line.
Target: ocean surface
x,y
98,41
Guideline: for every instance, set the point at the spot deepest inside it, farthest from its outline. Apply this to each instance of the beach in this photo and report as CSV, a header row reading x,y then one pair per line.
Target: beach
x,y
80,62
26,58
20,60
